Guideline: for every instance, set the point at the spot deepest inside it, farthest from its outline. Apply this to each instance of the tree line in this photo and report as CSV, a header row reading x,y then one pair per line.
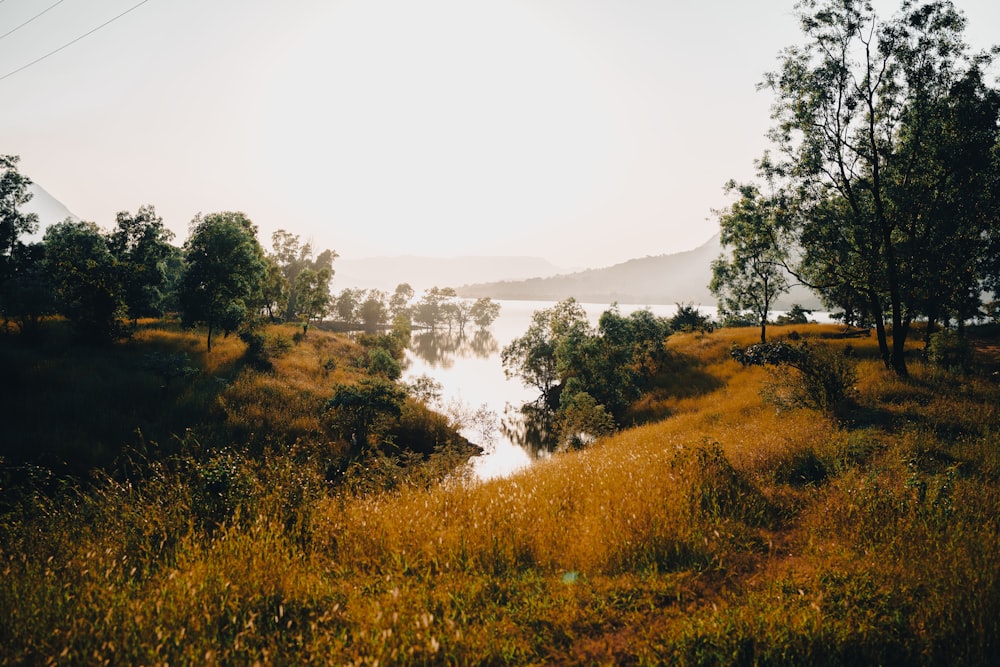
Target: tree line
x,y
436,307
103,282
221,278
882,191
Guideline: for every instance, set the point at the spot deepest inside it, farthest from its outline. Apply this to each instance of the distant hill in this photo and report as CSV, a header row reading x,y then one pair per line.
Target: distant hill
x,y
423,272
681,277
49,209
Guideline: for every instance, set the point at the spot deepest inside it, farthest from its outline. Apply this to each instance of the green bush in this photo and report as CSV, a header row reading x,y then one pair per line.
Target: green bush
x,y
824,381
949,351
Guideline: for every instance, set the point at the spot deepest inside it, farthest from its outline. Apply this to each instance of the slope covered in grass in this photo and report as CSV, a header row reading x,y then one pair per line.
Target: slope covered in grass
x,y
722,531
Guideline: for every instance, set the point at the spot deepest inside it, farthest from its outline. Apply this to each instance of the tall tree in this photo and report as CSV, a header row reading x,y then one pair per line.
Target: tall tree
x,y
225,273
399,302
853,134
294,257
141,246
533,356
753,274
14,222
86,280
374,312
484,312
313,299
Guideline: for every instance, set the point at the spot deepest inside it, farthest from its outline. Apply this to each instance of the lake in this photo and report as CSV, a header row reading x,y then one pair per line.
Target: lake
x,y
475,388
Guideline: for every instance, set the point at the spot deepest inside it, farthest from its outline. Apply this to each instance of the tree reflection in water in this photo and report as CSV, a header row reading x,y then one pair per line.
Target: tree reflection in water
x,y
441,348
529,427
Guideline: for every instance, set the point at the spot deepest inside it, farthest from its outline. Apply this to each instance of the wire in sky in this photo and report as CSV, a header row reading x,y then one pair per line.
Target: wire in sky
x,y
91,32
13,30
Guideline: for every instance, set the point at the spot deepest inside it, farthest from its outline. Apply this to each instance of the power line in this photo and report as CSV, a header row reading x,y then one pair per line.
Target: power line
x,y
30,20
70,43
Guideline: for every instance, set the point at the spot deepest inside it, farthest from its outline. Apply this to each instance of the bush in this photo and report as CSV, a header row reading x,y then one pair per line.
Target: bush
x,y
688,318
583,420
949,351
824,381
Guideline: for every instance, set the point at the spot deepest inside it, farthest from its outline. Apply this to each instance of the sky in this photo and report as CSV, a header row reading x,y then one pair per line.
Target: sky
x,y
586,132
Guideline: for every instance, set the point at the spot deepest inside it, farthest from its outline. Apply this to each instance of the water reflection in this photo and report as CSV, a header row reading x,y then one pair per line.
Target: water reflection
x,y
531,428
440,349
468,367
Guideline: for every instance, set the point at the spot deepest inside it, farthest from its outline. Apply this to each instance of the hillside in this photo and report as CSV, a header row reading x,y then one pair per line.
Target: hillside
x,y
724,532
421,273
81,407
681,277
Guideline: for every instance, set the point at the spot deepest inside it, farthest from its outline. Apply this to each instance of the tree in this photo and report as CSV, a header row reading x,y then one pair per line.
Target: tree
x,y
430,311
373,310
14,193
362,409
27,295
688,318
141,247
313,299
753,273
348,304
223,281
86,280
14,223
459,312
484,312
399,302
293,257
532,357
858,111
276,288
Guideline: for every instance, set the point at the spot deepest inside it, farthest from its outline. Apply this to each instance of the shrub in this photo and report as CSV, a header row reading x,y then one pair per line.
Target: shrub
x,y
824,381
949,351
582,420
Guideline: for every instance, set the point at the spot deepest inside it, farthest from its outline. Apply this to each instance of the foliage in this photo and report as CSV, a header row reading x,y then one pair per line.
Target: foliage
x,y
886,135
141,247
582,420
750,274
399,302
824,380
311,294
299,298
381,362
86,279
14,223
373,310
224,275
27,295
432,310
532,356
950,351
725,534
484,312
587,376
795,315
688,318
365,410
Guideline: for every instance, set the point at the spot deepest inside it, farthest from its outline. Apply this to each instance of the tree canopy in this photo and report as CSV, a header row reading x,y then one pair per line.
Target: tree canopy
x,y
753,273
225,273
886,145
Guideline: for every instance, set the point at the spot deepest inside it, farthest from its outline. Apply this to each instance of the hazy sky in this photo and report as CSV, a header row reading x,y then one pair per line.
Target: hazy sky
x,y
587,132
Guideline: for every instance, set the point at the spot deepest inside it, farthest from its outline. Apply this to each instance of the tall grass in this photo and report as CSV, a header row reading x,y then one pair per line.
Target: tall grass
x,y
728,532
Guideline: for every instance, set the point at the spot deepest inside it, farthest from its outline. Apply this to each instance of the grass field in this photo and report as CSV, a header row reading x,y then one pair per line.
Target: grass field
x,y
724,530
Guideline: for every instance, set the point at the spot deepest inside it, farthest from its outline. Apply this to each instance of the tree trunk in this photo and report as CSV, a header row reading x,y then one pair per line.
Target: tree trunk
x,y
880,333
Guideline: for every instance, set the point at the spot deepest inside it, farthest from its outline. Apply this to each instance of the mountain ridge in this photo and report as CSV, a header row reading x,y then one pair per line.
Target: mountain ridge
x,y
681,277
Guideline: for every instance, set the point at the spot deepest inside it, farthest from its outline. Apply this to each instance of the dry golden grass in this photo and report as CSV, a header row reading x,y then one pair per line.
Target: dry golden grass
x,y
728,532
